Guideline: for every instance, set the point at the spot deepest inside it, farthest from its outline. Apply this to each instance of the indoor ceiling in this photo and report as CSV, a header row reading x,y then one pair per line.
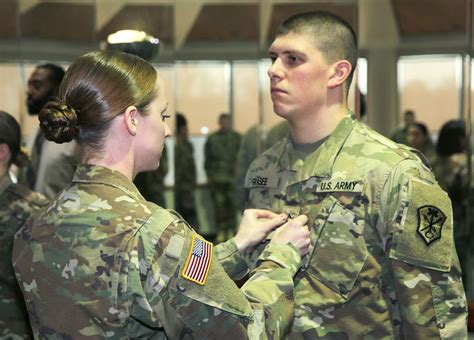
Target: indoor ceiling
x,y
197,29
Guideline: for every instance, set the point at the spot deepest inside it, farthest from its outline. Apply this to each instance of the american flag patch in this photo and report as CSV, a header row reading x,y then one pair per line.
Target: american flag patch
x,y
199,260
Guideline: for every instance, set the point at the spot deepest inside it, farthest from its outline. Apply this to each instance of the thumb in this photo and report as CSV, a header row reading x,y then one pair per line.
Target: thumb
x,y
301,220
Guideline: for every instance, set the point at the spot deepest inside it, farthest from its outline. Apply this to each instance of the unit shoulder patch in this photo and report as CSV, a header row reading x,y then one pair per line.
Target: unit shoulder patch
x,y
430,223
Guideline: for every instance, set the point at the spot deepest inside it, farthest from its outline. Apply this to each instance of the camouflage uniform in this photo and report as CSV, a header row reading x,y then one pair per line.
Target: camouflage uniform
x,y
16,205
151,183
382,262
221,152
185,180
452,175
400,135
101,262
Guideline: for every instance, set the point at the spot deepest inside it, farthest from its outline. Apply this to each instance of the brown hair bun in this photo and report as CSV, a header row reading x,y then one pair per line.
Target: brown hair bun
x,y
58,122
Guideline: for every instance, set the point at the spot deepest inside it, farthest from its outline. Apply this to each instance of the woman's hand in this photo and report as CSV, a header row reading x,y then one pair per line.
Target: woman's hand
x,y
255,225
296,232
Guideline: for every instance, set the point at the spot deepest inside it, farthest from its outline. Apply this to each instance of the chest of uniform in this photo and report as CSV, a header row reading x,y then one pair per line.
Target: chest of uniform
x,y
283,193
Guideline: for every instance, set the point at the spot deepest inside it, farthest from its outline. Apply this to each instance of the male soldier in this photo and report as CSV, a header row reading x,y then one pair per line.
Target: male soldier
x,y
52,165
185,173
382,262
221,151
400,135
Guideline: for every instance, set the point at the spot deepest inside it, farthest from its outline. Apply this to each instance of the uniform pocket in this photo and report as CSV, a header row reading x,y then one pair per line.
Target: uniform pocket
x,y
339,251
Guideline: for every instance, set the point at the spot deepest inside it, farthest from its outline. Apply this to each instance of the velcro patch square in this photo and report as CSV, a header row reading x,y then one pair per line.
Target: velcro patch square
x,y
199,260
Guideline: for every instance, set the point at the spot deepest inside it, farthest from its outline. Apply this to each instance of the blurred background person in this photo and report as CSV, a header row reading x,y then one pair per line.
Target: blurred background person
x,y
16,204
251,145
151,184
52,165
220,152
400,135
419,138
185,173
451,171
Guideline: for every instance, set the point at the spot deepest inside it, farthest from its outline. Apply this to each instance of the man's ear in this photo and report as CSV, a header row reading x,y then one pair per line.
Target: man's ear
x,y
339,72
4,153
131,119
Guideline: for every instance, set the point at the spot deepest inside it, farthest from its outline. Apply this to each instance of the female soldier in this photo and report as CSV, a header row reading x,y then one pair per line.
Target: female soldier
x,y
16,205
100,261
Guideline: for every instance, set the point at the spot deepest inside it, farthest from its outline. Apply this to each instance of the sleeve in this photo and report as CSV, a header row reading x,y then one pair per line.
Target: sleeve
x,y
416,224
230,258
216,308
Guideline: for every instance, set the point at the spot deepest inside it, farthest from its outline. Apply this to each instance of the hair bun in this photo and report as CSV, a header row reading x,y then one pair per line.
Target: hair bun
x,y
58,122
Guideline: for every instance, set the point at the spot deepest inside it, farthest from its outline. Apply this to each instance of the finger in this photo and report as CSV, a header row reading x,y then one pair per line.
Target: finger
x,y
273,223
261,213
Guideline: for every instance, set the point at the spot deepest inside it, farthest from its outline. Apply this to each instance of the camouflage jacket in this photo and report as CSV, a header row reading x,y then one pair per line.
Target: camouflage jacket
x,y
184,167
16,205
221,150
101,262
382,261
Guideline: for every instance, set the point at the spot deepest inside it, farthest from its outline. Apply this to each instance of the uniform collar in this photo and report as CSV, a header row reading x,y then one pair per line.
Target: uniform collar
x,y
320,162
5,182
88,173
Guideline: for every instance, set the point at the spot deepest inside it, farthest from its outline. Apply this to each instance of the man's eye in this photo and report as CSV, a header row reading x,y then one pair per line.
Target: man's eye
x,y
292,59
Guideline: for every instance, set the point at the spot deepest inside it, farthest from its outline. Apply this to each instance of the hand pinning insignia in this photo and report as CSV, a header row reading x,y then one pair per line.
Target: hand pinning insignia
x,y
430,223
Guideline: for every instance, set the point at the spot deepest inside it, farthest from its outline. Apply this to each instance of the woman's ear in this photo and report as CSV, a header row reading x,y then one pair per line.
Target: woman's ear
x,y
131,119
4,153
340,72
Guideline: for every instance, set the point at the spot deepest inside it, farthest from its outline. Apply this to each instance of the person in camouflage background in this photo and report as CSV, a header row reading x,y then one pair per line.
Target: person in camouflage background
x,y
400,135
99,261
151,184
185,173
16,204
220,161
452,173
382,262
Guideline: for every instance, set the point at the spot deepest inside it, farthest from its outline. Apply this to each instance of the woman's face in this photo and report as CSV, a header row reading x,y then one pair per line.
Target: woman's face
x,y
153,130
416,138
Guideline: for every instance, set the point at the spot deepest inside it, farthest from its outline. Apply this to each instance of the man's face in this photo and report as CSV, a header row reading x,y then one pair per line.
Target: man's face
x,y
39,91
298,76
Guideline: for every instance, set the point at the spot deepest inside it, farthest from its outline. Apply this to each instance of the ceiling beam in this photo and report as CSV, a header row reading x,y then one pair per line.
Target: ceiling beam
x,y
26,5
266,11
105,10
185,14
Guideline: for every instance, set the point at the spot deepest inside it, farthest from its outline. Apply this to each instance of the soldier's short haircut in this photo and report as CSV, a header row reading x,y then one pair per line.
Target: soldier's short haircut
x,y
56,73
333,36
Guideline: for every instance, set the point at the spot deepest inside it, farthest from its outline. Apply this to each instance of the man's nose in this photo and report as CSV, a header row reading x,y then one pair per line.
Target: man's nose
x,y
275,70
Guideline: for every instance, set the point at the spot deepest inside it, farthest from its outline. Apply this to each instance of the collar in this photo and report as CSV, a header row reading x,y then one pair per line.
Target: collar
x,y
88,173
320,162
5,182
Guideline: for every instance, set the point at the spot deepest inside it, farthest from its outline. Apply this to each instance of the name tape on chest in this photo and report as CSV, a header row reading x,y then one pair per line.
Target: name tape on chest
x,y
340,186
262,181
199,260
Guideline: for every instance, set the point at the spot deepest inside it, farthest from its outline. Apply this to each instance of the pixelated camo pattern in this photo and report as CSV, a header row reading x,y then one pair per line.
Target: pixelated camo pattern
x,y
100,262
16,204
369,274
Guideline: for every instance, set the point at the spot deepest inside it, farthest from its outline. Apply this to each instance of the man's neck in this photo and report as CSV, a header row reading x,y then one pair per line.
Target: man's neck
x,y
314,127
